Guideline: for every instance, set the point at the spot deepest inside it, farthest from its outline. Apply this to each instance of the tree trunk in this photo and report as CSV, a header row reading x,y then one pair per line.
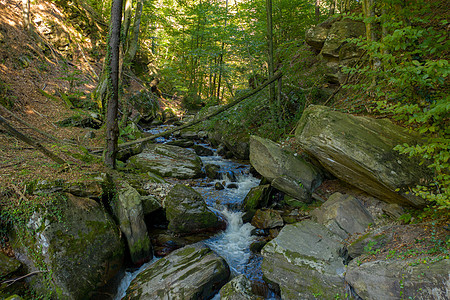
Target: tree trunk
x,y
112,130
26,14
317,11
133,46
270,46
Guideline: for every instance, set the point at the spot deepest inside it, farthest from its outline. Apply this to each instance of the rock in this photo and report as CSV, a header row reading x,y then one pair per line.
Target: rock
x,y
218,186
90,188
232,186
317,35
307,261
412,278
376,239
89,135
239,288
144,104
212,171
128,209
168,161
257,246
257,197
187,211
81,121
185,143
83,252
8,265
125,153
286,172
339,32
343,215
202,150
150,204
359,151
267,218
193,272
393,210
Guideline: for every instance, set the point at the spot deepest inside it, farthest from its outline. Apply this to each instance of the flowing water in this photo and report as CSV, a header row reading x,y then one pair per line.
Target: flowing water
x,y
233,244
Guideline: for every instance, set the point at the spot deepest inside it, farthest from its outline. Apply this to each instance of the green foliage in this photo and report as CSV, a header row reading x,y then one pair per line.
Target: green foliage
x,y
406,76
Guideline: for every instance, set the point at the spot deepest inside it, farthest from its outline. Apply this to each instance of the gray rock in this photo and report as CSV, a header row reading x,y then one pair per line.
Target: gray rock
x,y
187,212
193,272
168,161
317,35
376,239
359,151
8,265
343,215
285,171
239,288
150,204
203,151
400,279
337,34
181,143
129,211
307,261
267,218
83,252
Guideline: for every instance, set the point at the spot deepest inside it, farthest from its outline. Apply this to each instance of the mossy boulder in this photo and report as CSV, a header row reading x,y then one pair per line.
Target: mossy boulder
x,y
285,170
267,218
306,260
168,161
412,278
187,212
344,215
8,265
82,251
193,272
360,151
239,288
129,211
257,197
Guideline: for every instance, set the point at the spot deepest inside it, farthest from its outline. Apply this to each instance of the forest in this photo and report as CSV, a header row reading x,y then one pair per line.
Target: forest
x,y
357,90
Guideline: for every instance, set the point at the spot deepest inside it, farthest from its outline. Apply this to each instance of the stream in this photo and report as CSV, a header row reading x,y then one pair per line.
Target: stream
x,y
233,244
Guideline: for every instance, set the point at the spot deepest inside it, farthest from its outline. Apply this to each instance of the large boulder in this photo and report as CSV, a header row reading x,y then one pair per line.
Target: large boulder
x,y
344,215
267,218
239,288
8,265
82,251
317,35
359,151
337,35
192,272
187,212
129,211
168,161
307,261
286,172
257,197
400,279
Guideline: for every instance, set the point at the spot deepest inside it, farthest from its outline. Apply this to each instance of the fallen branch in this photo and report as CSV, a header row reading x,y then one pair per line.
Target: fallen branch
x,y
31,142
12,281
208,116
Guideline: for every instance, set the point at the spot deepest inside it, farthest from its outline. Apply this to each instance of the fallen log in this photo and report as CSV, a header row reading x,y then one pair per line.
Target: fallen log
x,y
208,116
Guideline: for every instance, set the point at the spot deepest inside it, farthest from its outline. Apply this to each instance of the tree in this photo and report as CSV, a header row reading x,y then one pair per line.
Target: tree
x,y
112,130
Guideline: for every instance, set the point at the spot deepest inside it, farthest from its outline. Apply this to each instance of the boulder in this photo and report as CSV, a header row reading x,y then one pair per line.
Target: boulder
x,y
376,239
168,161
338,33
212,171
193,272
145,107
317,35
239,288
82,252
306,260
257,197
412,278
286,172
267,218
8,265
343,215
184,143
150,204
359,151
202,150
129,211
187,212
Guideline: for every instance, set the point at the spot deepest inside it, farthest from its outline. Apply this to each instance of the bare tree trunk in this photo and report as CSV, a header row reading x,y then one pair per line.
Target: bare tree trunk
x,y
26,15
317,10
133,46
270,46
112,129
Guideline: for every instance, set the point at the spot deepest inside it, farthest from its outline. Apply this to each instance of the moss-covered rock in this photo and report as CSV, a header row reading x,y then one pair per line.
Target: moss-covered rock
x,y
82,251
8,265
307,261
168,161
187,212
239,288
359,151
257,197
193,272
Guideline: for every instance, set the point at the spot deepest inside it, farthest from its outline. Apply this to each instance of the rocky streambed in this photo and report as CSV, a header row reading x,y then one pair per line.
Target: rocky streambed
x,y
218,228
